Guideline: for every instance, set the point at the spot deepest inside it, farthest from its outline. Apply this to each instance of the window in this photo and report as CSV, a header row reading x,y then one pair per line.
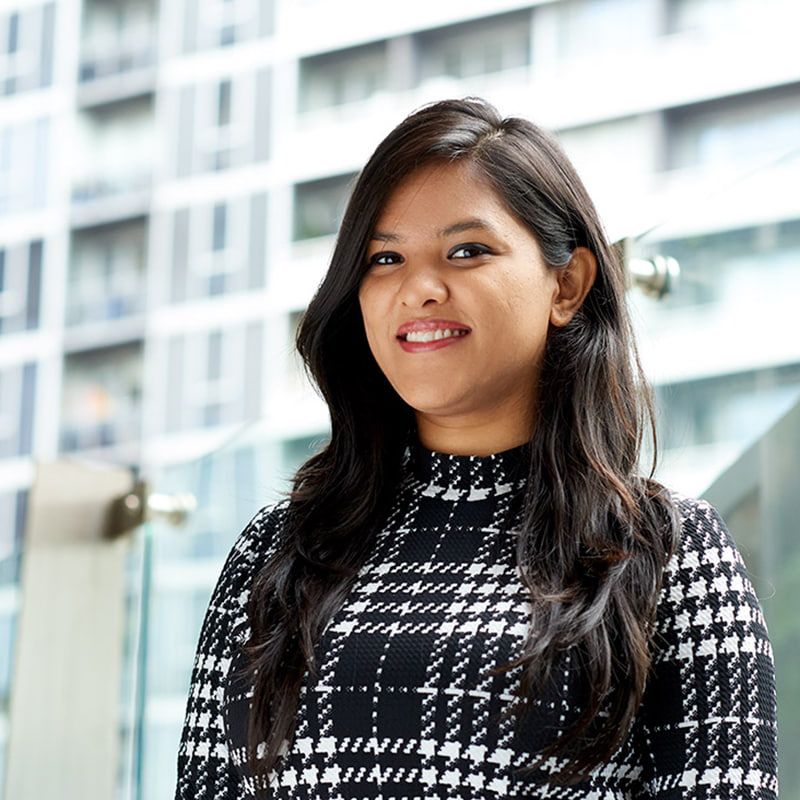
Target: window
x,y
17,399
717,16
6,174
224,102
319,206
106,273
619,146
707,261
214,388
213,377
224,134
117,37
222,124
220,251
24,166
589,27
341,77
14,513
9,615
727,408
20,287
216,282
477,47
214,356
220,216
114,154
724,271
26,48
218,247
222,23
732,131
102,397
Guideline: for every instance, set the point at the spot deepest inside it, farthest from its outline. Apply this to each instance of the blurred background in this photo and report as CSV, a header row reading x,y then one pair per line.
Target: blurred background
x,y
172,177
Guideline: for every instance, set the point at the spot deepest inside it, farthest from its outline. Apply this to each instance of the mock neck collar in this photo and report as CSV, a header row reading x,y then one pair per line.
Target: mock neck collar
x,y
466,477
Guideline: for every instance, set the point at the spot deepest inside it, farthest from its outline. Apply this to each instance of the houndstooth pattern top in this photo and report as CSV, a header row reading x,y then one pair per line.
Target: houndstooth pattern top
x,y
402,707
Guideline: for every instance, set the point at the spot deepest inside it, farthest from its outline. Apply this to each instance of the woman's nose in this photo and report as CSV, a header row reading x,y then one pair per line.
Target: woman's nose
x,y
422,282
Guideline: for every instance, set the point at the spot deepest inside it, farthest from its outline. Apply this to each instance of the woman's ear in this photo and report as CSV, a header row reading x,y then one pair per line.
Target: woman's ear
x,y
574,282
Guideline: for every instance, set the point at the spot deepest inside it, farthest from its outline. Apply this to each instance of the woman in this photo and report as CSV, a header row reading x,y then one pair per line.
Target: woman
x,y
470,592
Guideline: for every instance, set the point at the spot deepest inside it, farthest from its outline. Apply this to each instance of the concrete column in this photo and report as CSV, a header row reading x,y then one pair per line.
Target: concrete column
x,y
68,656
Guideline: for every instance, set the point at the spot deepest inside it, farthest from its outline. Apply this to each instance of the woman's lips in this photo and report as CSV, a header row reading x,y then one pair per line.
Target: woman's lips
x,y
422,347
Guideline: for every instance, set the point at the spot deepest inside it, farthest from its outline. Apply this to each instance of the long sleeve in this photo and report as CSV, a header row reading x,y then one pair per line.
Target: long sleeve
x,y
204,768
708,724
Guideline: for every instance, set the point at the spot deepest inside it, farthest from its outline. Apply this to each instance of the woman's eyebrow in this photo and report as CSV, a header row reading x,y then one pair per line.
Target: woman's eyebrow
x,y
473,223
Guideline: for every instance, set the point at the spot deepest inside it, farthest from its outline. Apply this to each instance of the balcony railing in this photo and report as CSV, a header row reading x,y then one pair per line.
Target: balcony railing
x,y
106,56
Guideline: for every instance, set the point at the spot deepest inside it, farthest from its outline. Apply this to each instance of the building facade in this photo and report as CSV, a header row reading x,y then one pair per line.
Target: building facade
x,y
167,209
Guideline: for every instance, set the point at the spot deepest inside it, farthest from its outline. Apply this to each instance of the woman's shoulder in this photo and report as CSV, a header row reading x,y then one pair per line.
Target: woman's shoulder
x,y
260,534
255,542
706,580
704,535
713,671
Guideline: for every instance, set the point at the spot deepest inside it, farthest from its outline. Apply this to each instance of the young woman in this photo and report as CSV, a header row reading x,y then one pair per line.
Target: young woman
x,y
470,592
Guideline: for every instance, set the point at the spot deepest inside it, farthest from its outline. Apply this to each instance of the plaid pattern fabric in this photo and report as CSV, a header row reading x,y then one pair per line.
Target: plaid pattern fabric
x,y
403,707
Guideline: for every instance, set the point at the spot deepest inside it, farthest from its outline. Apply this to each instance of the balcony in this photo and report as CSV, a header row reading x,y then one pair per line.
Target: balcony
x,y
118,57
101,406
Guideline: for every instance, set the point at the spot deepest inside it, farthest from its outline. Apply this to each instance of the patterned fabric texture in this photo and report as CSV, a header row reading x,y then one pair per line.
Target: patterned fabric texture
x,y
402,707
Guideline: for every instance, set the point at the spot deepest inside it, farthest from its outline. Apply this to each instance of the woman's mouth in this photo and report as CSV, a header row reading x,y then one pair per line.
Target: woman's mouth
x,y
422,342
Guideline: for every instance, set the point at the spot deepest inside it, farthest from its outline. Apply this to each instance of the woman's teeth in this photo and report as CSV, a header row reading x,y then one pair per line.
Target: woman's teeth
x,y
432,336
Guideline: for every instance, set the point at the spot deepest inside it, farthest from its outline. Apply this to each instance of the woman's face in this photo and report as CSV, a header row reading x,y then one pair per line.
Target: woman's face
x,y
490,279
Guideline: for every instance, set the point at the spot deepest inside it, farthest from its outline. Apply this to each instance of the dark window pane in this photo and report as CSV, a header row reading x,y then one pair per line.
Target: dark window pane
x,y
13,32
227,35
220,220
212,415
224,102
216,284
34,285
214,355
26,409
319,205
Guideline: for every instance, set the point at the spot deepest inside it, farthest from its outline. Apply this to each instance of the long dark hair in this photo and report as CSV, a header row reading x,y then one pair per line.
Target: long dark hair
x,y
596,535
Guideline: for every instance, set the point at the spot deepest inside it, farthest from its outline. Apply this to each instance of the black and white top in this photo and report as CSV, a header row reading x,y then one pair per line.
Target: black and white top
x,y
402,707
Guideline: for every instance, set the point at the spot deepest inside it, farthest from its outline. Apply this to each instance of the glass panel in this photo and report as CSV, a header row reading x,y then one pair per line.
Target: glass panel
x,y
757,496
12,506
181,566
723,352
722,347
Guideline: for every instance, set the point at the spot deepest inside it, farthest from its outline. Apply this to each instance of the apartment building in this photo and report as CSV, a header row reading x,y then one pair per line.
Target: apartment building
x,y
171,181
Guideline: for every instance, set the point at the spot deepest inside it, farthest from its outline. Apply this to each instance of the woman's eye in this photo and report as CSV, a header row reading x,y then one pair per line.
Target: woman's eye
x,y
374,259
477,248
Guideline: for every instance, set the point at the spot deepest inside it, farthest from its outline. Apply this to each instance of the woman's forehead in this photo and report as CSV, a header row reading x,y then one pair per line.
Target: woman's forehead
x,y
436,203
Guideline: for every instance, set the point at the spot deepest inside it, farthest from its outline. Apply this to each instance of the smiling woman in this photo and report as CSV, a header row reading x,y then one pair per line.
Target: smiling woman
x,y
470,591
